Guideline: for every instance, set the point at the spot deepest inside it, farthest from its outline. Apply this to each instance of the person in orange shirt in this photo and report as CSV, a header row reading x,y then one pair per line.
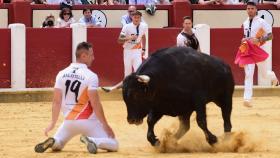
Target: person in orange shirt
x,y
133,38
75,94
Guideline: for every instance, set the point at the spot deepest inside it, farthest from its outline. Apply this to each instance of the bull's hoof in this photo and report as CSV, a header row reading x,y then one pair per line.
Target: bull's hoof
x,y
157,143
212,140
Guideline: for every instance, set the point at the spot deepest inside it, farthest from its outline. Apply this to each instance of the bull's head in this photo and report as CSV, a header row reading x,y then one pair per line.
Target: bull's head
x,y
136,97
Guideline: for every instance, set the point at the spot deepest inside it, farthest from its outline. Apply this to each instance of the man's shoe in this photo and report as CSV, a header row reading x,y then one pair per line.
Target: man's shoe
x,y
91,146
107,89
42,147
247,103
275,82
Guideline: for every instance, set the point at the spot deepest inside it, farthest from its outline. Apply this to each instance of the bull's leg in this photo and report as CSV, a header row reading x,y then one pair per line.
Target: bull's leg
x,y
184,125
152,120
226,107
202,123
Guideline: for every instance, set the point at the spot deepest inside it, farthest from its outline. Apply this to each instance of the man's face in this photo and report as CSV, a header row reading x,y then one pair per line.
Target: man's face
x,y
87,56
251,10
87,14
136,19
187,24
131,10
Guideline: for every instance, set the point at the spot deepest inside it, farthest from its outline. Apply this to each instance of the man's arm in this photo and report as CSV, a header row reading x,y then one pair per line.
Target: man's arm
x,y
268,37
55,109
96,105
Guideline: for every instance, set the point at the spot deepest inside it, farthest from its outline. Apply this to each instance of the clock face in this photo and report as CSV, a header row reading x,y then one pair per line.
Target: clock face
x,y
267,16
100,16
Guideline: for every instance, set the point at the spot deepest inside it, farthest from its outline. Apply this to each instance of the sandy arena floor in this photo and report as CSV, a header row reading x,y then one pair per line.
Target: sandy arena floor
x,y
257,133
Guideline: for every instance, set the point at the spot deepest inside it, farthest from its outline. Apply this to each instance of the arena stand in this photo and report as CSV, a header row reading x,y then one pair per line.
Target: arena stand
x,y
49,50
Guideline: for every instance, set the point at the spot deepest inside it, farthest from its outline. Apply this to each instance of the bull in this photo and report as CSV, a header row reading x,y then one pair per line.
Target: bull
x,y
177,81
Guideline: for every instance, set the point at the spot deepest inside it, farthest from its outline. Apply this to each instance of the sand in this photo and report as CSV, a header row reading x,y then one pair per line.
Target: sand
x,y
256,133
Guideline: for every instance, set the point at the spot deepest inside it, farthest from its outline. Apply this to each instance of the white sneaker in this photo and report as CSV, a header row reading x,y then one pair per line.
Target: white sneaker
x,y
91,146
275,82
247,104
107,89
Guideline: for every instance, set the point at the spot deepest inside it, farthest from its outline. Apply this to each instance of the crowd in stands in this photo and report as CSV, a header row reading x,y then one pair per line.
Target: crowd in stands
x,y
142,2
66,19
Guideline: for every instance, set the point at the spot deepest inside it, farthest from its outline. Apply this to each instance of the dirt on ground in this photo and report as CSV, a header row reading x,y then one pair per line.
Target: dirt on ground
x,y
255,133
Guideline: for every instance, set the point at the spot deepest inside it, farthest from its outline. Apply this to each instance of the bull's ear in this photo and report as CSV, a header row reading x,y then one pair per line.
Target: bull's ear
x,y
143,78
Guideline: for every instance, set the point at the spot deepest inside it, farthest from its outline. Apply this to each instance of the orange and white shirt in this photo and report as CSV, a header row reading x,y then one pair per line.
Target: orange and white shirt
x,y
75,81
131,29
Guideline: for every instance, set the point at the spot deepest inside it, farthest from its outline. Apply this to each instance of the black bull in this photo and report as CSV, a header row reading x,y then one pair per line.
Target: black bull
x,y
178,81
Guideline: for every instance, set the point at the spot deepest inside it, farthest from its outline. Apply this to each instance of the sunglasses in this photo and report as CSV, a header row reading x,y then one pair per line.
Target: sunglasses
x,y
66,14
130,11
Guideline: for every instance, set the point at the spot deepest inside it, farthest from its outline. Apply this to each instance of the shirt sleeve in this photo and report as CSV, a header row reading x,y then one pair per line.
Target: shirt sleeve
x,y
266,27
180,41
93,83
124,30
145,28
123,21
58,82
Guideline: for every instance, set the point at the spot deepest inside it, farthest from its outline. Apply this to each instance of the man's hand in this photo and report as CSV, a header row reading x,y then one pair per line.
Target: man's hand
x,y
109,131
255,40
49,128
132,37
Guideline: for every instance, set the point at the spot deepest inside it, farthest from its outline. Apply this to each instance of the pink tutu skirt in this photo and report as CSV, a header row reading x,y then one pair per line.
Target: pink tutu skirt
x,y
249,53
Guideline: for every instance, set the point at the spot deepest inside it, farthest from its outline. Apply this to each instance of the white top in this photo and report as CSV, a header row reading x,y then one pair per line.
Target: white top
x,y
137,2
257,24
131,29
62,23
53,1
182,39
75,81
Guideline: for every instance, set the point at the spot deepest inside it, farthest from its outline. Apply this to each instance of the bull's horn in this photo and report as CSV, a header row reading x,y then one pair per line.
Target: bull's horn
x,y
143,78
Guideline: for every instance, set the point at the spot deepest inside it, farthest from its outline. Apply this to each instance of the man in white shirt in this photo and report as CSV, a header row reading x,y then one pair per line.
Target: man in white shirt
x,y
88,19
133,38
140,2
75,94
252,25
187,38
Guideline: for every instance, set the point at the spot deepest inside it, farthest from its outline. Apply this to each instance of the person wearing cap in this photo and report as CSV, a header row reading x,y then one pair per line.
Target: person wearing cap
x,y
256,31
133,38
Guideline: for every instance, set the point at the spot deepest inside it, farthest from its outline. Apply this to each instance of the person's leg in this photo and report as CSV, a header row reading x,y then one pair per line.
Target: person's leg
x,y
248,83
94,133
267,74
137,60
64,133
127,60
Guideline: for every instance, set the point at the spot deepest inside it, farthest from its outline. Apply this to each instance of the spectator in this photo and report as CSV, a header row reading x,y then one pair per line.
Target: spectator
x,y
49,22
39,2
141,2
53,1
88,19
277,4
207,2
65,18
162,2
127,18
119,2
